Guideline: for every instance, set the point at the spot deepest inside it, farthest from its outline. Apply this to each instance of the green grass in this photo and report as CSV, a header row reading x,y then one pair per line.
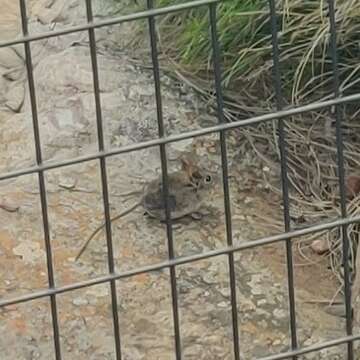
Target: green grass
x,y
244,34
304,40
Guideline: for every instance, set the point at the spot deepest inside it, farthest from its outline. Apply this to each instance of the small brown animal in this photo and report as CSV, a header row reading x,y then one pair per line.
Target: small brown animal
x,y
187,188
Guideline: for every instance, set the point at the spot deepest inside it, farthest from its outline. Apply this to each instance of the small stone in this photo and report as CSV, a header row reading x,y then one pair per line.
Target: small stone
x,y
67,182
14,74
261,302
256,290
320,246
9,58
336,310
247,305
184,288
15,97
262,313
9,208
209,278
80,302
223,304
225,292
263,324
308,342
248,200
279,313
240,217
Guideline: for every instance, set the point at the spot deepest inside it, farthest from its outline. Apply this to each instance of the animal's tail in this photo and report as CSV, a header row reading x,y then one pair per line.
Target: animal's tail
x,y
96,231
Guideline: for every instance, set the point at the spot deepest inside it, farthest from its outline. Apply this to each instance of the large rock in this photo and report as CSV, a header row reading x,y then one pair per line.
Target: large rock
x,y
15,96
66,107
9,19
10,58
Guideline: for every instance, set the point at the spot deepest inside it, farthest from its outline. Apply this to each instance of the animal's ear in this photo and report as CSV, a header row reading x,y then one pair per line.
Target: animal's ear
x,y
187,165
192,171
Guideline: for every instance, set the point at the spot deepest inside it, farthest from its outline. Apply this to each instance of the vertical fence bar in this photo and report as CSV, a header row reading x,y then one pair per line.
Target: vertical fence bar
x,y
225,177
284,176
42,185
341,176
104,182
161,132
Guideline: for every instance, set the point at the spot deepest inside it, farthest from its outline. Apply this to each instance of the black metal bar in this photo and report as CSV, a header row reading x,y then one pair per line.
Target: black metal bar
x,y
225,176
284,176
104,182
312,348
165,182
183,136
182,260
114,21
341,177
42,185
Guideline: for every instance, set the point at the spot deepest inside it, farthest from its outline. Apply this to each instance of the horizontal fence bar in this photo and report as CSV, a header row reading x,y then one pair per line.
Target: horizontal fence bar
x,y
115,21
312,348
182,260
183,136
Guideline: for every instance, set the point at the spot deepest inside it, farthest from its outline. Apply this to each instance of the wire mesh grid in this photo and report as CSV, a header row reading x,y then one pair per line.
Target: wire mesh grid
x,y
102,154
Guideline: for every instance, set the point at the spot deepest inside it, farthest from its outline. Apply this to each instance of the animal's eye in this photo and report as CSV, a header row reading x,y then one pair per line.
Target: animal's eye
x,y
208,179
196,175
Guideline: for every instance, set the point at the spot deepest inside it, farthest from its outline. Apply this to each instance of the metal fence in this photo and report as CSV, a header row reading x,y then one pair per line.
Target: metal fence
x,y
102,154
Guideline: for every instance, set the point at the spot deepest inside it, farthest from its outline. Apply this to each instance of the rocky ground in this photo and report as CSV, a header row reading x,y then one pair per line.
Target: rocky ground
x,y
65,99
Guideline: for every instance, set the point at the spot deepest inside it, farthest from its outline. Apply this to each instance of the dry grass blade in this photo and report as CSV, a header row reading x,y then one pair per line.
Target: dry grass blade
x,y
244,33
